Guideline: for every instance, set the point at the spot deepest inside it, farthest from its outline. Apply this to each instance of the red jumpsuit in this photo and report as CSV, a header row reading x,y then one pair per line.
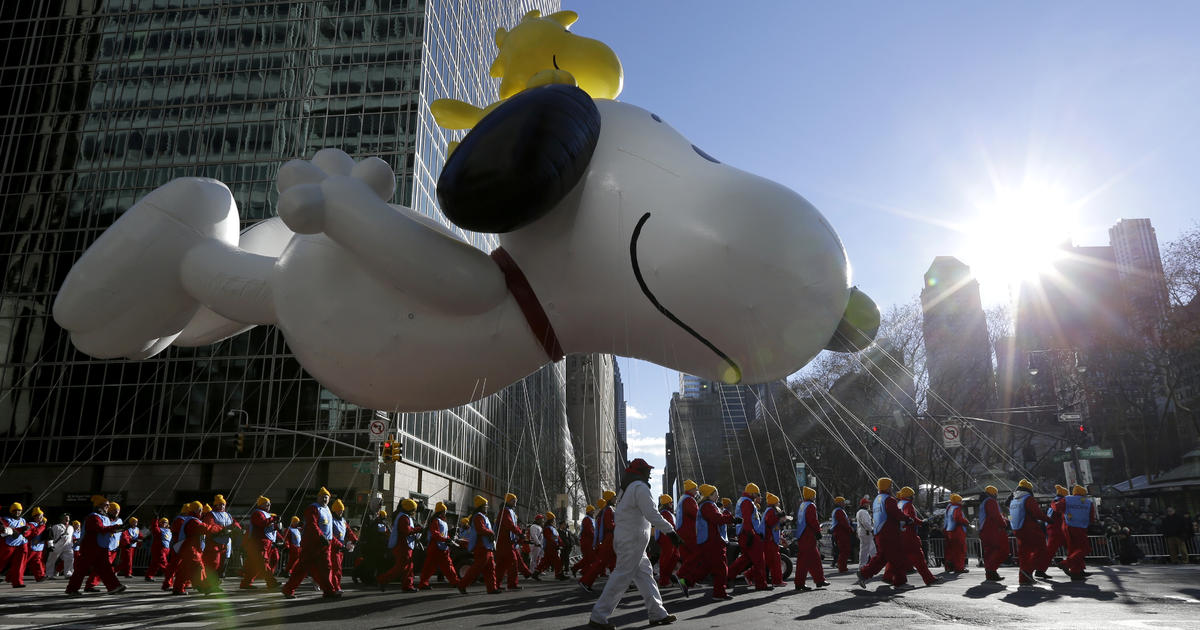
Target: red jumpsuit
x,y
15,555
668,554
257,545
710,556
587,535
508,553
125,550
771,557
888,547
993,535
1056,537
216,545
437,553
36,561
295,540
1031,541
605,557
955,526
159,548
550,555
484,562
911,539
751,545
402,553
1078,546
93,553
842,532
342,536
315,542
191,560
172,555
808,559
686,527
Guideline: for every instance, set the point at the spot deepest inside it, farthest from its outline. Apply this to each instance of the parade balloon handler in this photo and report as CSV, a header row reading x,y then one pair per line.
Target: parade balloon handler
x,y
316,540
636,514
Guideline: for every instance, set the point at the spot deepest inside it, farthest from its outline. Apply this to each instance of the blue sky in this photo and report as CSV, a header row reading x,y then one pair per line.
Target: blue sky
x,y
904,122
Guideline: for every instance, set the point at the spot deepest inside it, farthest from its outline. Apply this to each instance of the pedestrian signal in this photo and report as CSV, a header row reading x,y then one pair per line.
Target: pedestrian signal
x,y
241,442
875,428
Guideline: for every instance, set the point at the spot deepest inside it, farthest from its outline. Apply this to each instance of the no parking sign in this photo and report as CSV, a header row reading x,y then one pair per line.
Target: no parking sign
x,y
951,435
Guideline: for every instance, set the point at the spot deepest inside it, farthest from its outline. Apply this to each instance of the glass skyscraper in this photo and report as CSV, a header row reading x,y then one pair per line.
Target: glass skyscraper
x,y
104,100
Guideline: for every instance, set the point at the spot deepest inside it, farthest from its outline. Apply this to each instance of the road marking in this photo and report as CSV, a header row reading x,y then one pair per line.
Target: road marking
x,y
1142,623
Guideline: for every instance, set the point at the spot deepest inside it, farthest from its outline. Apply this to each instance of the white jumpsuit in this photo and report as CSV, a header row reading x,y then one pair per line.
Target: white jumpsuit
x,y
636,512
866,535
536,542
63,539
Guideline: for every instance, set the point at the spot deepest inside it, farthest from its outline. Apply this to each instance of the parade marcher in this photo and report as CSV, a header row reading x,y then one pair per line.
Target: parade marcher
x,y
1079,513
685,520
437,550
188,545
127,547
62,541
217,548
865,528
605,557
536,543
636,514
14,551
711,555
315,542
727,509
114,544
587,535
841,530
1028,525
481,542
343,540
910,538
94,540
402,541
76,546
955,525
172,556
886,520
993,534
374,556
751,537
37,535
295,538
668,553
772,518
257,545
1056,537
551,541
508,551
160,547
808,531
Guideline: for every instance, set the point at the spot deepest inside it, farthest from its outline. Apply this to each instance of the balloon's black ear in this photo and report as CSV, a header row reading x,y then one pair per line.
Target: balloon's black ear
x,y
859,325
520,160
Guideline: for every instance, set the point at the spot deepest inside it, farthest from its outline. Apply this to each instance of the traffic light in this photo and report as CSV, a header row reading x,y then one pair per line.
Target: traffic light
x,y
397,451
241,442
875,428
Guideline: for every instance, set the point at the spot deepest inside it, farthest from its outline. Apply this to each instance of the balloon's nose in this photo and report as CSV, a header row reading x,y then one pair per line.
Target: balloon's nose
x,y
859,325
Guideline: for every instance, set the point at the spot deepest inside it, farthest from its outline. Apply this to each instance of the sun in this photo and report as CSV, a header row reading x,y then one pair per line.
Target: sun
x,y
1017,235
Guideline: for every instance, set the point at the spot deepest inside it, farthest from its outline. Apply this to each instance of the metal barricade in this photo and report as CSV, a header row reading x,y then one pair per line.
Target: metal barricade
x,y
1151,545
1101,549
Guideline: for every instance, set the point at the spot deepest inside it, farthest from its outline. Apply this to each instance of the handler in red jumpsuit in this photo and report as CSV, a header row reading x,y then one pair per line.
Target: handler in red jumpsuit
x,y
1079,513
437,549
160,547
188,539
257,545
98,531
911,538
587,534
127,547
552,543
508,550
605,557
173,556
668,553
993,534
888,547
842,532
685,519
772,517
710,556
294,540
36,561
481,542
344,539
14,549
751,535
808,530
955,526
1028,524
216,546
1056,537
402,542
317,538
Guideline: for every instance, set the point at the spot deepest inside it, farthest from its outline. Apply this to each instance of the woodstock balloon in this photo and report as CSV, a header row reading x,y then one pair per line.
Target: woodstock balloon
x,y
616,235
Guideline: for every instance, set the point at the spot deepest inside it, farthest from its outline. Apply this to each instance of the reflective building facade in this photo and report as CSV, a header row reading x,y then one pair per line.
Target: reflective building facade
x,y
104,100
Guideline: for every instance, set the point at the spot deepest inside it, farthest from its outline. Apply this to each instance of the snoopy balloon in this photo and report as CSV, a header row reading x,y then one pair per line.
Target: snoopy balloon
x,y
617,235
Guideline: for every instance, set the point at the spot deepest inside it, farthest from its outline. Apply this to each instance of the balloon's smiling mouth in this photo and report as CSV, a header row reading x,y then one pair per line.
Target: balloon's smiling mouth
x,y
637,272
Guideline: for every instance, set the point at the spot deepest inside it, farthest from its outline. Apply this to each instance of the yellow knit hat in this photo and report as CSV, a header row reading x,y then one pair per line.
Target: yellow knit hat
x,y
337,506
133,520
382,513
707,490
37,511
726,501
609,495
1079,490
207,508
689,485
549,515
113,505
510,497
480,501
601,504
751,488
295,521
1061,490
991,490
261,501
884,484
956,498
219,500
323,493
464,521
163,521
839,500
589,509
772,499
665,499
905,493
408,505
15,506
98,500
1025,483
194,506
440,507
808,493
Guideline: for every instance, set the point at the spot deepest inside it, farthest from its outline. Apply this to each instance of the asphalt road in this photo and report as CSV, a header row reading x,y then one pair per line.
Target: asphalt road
x,y
1148,596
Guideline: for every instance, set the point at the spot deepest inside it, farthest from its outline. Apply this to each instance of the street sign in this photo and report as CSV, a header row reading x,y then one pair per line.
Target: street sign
x,y
1091,452
951,436
1070,417
377,429
801,474
1085,471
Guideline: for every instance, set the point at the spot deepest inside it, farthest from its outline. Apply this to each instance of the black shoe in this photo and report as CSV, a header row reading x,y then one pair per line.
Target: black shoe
x,y
935,580
726,597
992,576
537,577
861,582
802,587
1041,574
148,579
603,626
117,591
91,589
424,587
669,619
462,590
495,592
74,593
287,595
333,595
822,584
585,587
683,585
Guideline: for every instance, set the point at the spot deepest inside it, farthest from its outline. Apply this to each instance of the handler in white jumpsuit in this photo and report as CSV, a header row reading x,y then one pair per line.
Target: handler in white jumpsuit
x,y
62,536
866,532
536,541
636,511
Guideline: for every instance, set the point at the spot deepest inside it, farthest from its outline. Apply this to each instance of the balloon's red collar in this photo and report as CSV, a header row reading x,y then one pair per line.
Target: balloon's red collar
x,y
531,307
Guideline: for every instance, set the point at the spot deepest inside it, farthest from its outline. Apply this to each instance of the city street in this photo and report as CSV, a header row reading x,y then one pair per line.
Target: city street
x,y
1151,596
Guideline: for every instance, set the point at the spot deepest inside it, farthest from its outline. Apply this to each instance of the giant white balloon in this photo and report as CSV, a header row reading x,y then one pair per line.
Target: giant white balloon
x,y
659,253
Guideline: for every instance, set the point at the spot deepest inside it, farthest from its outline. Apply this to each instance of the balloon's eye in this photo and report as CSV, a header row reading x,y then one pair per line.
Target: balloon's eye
x,y
705,155
655,117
